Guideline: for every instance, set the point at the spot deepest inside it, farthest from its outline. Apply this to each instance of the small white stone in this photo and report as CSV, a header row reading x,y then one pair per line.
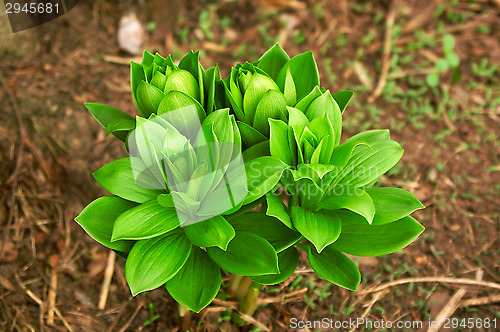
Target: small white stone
x,y
131,34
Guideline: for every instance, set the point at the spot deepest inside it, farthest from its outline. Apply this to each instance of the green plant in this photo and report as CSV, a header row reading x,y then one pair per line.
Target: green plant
x,y
206,151
450,61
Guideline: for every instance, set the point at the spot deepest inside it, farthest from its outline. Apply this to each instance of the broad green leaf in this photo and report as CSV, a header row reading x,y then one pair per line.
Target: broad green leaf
x,y
278,141
213,232
276,208
241,258
119,125
269,228
263,174
105,114
342,98
148,98
221,124
287,262
197,282
272,105
304,103
258,150
153,262
273,60
368,163
249,135
335,267
322,228
128,179
145,221
351,198
258,86
326,103
376,240
342,153
304,73
191,63
98,217
392,204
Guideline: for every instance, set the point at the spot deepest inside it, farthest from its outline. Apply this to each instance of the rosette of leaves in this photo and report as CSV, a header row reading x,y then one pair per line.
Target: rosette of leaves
x,y
176,205
158,85
334,205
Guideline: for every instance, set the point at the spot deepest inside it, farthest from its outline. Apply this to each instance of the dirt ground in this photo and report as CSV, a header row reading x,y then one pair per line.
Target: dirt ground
x,y
383,50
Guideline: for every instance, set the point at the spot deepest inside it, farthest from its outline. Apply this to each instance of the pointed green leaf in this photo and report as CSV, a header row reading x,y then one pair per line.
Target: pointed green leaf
x,y
257,86
148,98
304,103
197,283
376,240
129,179
120,125
392,204
258,150
272,105
342,98
213,232
304,73
350,198
269,228
153,262
326,103
240,257
98,217
145,221
322,228
287,262
289,89
104,114
273,60
278,141
249,135
276,208
221,124
137,76
335,267
263,174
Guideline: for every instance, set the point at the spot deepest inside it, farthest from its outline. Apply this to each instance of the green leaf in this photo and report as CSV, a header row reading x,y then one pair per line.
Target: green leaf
x,y
392,204
342,98
304,73
105,114
278,141
350,198
322,228
145,221
304,103
276,208
448,43
432,79
117,125
263,174
137,76
221,125
213,232
273,60
452,59
153,262
249,135
368,163
98,217
257,86
376,240
127,179
272,105
326,103
335,267
289,90
269,228
241,258
197,283
148,98
191,63
287,262
258,150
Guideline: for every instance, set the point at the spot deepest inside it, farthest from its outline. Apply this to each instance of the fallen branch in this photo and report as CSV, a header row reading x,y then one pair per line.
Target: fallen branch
x,y
480,300
108,275
444,280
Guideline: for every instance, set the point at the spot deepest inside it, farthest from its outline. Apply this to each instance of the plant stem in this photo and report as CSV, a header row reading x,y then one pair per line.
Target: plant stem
x,y
248,304
184,317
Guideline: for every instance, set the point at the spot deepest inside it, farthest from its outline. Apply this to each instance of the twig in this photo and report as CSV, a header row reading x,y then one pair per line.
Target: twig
x,y
386,63
12,198
108,274
452,305
282,297
376,297
234,305
131,319
52,298
480,300
444,280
